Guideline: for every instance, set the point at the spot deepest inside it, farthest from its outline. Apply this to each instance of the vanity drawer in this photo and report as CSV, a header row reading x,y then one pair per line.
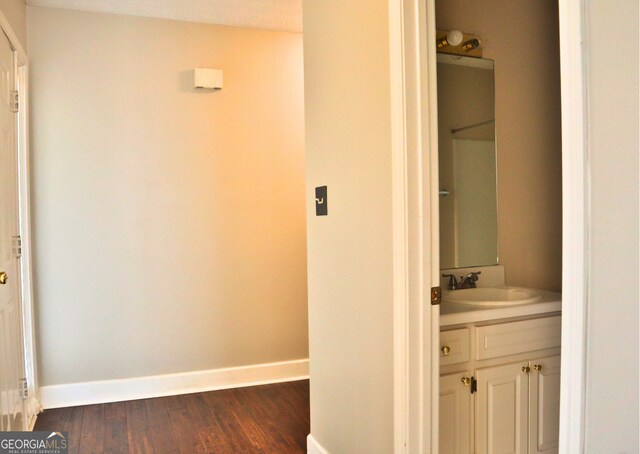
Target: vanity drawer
x,y
454,346
511,338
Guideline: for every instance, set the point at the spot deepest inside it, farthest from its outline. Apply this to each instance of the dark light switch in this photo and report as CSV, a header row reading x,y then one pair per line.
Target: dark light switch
x,y
321,201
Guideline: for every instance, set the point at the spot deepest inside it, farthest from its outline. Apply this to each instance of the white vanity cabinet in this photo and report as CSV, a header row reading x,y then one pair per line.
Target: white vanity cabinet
x,y
503,396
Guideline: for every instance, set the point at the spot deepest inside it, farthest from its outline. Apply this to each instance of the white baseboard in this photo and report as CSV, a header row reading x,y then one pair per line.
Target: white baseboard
x,y
97,392
313,447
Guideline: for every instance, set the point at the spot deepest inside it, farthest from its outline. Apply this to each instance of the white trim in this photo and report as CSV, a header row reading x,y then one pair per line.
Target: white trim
x,y
574,219
33,409
28,315
400,225
431,246
313,447
415,224
104,391
13,39
411,223
27,309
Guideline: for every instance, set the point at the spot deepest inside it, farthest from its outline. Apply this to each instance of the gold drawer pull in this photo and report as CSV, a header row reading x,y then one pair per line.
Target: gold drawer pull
x,y
537,367
526,369
466,381
445,350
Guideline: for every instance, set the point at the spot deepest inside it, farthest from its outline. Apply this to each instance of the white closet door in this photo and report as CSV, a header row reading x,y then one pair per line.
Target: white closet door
x,y
11,346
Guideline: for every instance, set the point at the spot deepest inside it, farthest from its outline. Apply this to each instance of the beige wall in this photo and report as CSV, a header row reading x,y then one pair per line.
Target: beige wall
x,y
522,38
169,223
347,103
16,13
613,297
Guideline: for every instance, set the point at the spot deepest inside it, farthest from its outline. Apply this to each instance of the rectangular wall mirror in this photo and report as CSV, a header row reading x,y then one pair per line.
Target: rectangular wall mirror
x,y
467,154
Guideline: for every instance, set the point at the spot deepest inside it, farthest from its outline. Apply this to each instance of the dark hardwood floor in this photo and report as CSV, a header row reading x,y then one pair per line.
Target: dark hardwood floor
x,y
258,419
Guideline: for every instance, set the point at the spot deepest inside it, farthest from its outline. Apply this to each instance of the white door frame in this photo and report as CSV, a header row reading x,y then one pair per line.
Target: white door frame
x,y
415,211
415,238
575,221
28,324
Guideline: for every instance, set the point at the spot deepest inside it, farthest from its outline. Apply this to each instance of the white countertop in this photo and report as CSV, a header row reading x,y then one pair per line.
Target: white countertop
x,y
456,314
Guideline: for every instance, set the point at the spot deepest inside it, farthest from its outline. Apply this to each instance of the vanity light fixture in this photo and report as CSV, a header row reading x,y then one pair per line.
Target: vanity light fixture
x,y
453,38
455,42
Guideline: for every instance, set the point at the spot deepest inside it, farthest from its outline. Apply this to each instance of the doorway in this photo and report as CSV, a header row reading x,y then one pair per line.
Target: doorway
x,y
421,112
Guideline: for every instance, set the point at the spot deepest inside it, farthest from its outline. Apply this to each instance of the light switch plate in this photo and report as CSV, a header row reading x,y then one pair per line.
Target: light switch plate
x,y
321,201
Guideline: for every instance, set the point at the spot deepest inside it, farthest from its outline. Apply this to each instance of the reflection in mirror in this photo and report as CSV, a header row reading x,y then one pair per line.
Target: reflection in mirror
x,y
467,154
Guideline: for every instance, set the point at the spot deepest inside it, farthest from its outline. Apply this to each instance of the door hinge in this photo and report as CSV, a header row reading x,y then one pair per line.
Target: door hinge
x,y
17,246
474,385
24,388
14,101
436,295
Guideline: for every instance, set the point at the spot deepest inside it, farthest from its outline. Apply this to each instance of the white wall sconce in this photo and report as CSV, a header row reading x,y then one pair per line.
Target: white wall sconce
x,y
208,78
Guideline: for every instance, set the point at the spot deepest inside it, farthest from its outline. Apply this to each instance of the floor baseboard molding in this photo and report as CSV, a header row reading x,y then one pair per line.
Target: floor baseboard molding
x,y
33,408
313,447
97,392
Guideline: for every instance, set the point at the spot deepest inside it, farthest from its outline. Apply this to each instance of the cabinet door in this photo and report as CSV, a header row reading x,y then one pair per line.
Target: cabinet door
x,y
455,414
502,409
544,405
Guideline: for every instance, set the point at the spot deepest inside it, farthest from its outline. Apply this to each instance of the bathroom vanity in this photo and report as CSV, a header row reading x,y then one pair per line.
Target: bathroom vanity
x,y
500,377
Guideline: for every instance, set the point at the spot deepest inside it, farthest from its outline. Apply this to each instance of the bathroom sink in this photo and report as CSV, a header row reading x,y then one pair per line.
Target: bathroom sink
x,y
492,296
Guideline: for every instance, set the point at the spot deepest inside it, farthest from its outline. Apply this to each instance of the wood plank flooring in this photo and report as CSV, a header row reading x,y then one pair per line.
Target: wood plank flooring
x,y
260,419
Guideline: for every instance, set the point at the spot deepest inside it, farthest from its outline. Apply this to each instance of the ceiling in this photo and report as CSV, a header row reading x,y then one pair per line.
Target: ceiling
x,y
267,14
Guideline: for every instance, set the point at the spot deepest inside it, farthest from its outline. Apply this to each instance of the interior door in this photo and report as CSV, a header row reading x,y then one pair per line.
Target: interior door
x,y
544,405
502,409
11,345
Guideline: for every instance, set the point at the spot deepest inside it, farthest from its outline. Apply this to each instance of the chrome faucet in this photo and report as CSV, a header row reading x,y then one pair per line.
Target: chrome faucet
x,y
468,281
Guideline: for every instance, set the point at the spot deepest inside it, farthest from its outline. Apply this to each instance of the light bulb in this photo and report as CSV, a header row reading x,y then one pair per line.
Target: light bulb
x,y
471,44
454,37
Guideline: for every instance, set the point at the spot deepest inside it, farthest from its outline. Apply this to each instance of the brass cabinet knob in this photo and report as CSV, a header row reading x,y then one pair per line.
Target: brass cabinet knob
x,y
537,367
526,369
3,278
466,381
445,350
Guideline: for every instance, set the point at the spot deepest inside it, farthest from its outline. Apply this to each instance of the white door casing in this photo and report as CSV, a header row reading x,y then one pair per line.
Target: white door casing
x,y
415,220
12,365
